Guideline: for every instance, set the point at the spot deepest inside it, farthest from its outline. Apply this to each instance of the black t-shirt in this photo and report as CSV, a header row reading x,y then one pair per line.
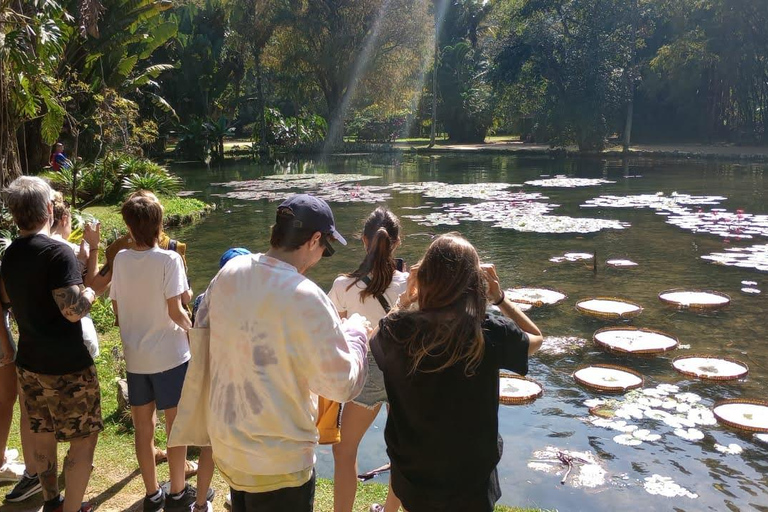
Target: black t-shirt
x,y
442,428
32,268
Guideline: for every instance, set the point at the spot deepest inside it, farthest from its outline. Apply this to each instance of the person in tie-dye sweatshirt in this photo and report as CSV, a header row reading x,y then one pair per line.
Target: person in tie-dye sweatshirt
x,y
276,342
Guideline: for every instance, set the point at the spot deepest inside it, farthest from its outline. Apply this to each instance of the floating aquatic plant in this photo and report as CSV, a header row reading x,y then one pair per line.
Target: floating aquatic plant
x,y
755,257
731,449
690,434
665,486
331,187
579,469
619,263
484,191
560,181
571,257
557,345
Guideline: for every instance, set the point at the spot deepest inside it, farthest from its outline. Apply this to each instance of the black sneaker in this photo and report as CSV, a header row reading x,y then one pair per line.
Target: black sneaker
x,y
54,505
155,502
183,500
166,486
27,486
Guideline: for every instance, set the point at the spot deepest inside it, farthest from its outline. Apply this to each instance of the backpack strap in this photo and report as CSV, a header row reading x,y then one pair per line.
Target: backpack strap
x,y
382,300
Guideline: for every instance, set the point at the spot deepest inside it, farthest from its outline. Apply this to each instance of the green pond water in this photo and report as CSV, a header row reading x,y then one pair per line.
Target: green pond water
x,y
667,257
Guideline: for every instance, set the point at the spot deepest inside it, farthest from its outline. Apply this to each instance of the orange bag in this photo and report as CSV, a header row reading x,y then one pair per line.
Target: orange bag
x,y
328,421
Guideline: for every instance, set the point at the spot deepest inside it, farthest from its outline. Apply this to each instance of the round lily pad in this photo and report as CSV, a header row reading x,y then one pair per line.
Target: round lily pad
x,y
705,300
608,378
517,390
744,414
635,340
712,368
608,308
535,296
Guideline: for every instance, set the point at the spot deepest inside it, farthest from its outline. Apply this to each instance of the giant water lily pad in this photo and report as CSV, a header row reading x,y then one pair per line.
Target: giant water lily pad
x,y
565,182
518,390
707,367
695,299
608,378
534,296
608,308
744,414
484,191
635,340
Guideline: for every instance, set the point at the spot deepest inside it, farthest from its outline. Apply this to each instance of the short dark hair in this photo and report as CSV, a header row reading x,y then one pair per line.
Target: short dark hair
x,y
144,217
285,235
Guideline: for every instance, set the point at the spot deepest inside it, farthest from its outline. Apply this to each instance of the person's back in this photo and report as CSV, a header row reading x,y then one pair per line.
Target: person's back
x,y
142,281
262,416
49,343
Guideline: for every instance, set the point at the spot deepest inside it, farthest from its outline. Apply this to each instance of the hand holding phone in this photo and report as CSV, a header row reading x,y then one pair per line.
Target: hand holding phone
x,y
493,287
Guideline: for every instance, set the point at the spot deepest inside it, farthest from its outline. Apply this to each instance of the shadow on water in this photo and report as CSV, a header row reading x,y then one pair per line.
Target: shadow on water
x,y
667,257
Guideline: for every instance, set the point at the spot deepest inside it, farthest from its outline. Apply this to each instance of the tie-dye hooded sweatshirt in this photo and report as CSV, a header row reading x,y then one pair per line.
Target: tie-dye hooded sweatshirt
x,y
276,343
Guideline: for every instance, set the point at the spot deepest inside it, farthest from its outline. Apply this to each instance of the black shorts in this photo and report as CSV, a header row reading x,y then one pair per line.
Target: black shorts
x,y
163,388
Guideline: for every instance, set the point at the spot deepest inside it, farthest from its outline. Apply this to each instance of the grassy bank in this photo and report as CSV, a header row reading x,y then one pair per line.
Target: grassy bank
x,y
178,211
116,483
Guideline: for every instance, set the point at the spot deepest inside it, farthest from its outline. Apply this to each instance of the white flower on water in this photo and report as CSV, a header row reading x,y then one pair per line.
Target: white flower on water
x,y
665,486
691,434
731,449
627,440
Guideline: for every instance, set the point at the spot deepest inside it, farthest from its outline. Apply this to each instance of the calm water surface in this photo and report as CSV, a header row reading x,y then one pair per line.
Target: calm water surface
x,y
668,257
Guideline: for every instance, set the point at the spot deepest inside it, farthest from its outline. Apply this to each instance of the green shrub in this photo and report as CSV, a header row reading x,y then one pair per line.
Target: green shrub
x,y
163,183
102,314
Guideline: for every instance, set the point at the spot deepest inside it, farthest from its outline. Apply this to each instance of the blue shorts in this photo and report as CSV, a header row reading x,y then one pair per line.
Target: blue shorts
x,y
163,388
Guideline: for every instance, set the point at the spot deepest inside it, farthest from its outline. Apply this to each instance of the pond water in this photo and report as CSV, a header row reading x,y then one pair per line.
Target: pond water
x,y
668,256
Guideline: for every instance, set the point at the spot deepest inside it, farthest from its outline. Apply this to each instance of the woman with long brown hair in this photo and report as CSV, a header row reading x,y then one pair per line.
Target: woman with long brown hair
x,y
368,291
441,354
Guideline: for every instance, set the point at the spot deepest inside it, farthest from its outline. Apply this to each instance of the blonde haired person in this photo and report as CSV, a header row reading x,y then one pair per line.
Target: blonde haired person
x,y
369,291
441,371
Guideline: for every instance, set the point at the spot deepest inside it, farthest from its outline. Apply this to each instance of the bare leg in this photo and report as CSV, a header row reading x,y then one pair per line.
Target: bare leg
x,y
77,470
177,456
355,421
393,502
143,417
27,439
204,473
7,401
45,461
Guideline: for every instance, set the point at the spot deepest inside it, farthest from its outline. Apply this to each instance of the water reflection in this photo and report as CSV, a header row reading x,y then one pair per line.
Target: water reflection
x,y
667,257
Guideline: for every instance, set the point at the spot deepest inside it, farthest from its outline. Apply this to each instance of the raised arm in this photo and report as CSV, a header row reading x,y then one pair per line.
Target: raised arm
x,y
510,310
91,237
74,301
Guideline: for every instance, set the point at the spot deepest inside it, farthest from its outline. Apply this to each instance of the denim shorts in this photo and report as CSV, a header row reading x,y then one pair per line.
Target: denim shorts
x,y
163,388
373,392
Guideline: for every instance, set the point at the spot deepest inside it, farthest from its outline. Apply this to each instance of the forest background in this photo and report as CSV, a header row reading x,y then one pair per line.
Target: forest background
x,y
135,76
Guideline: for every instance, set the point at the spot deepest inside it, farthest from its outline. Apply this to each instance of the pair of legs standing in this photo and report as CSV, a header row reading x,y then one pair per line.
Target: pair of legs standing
x,y
63,408
355,421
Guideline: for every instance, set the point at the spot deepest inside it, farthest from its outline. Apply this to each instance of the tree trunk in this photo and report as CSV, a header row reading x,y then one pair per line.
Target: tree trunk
x,y
630,115
433,127
335,137
10,166
264,147
630,79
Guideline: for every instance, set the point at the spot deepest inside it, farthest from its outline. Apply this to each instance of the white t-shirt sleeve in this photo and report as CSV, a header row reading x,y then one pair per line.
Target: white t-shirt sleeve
x,y
337,295
174,279
114,286
334,357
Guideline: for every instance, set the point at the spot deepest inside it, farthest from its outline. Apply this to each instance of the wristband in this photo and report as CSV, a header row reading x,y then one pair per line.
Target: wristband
x,y
503,296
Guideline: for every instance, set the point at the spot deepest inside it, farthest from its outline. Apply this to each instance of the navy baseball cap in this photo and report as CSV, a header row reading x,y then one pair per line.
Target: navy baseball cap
x,y
314,214
231,253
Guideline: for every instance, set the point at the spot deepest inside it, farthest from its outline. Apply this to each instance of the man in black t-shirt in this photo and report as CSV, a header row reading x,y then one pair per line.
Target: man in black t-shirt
x,y
57,378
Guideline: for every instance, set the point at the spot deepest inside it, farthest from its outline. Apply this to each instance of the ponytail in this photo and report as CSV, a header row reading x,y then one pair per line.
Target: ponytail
x,y
382,230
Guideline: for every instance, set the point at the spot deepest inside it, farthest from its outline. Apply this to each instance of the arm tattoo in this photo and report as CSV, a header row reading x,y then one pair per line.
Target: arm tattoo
x,y
48,478
71,301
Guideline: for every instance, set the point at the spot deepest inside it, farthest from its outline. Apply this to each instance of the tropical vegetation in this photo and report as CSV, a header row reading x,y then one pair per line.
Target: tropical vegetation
x,y
130,76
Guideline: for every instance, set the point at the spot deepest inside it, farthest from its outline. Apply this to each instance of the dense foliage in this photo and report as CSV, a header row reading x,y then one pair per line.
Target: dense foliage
x,y
129,75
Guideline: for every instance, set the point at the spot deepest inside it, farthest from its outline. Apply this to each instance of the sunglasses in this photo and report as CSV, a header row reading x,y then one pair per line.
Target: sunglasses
x,y
326,241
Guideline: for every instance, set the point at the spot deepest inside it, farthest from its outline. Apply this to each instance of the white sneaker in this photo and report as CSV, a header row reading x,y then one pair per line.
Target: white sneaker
x,y
11,455
11,472
376,508
228,500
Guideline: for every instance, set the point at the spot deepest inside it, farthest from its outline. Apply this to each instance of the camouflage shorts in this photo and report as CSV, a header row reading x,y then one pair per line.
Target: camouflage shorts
x,y
67,405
